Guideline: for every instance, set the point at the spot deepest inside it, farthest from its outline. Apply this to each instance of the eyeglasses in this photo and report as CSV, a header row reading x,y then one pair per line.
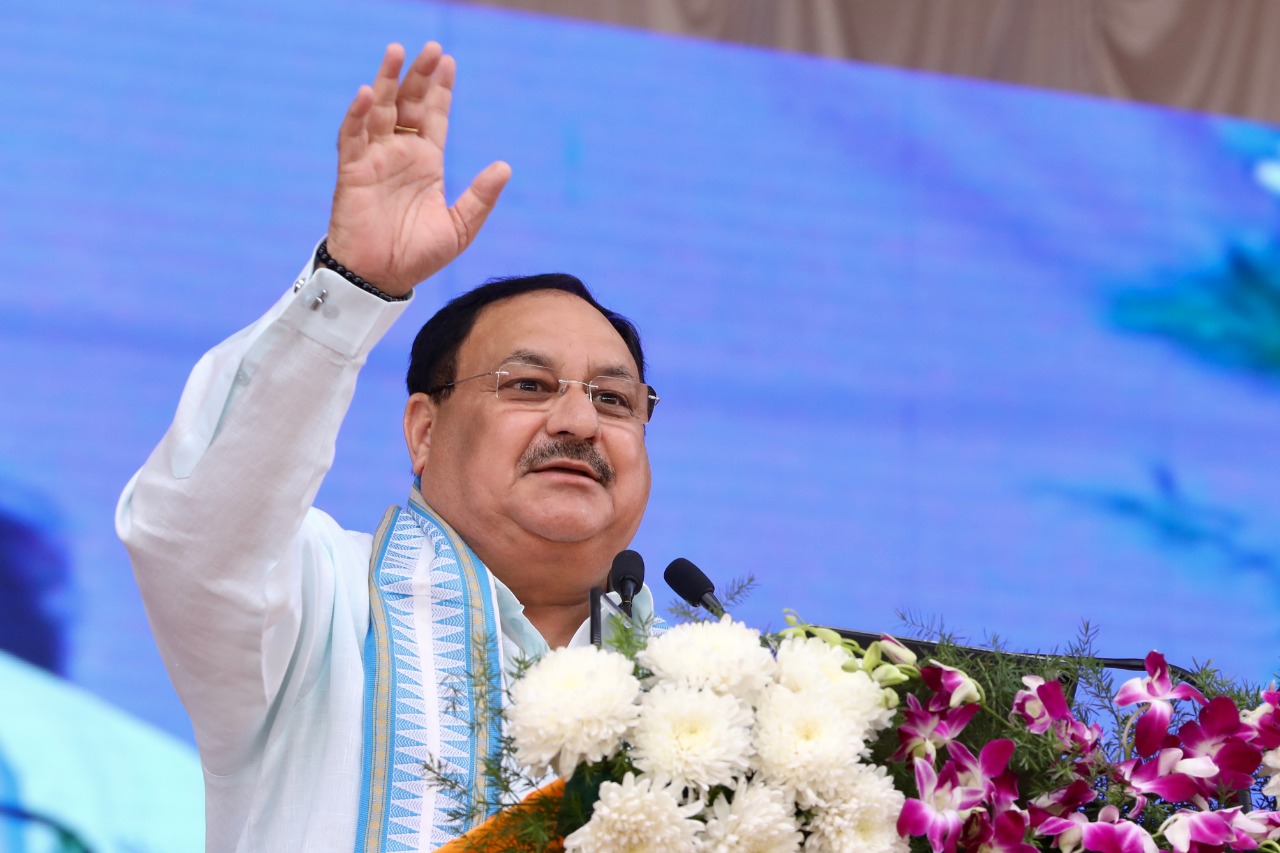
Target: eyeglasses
x,y
536,387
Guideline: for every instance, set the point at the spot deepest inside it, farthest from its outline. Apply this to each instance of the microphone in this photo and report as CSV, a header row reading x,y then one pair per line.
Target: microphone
x,y
693,586
626,577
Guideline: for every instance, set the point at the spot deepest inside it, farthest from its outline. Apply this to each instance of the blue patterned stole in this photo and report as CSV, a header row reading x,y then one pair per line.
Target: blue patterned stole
x,y
433,668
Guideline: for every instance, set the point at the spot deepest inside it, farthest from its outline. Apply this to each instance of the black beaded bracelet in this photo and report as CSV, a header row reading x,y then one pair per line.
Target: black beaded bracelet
x,y
323,256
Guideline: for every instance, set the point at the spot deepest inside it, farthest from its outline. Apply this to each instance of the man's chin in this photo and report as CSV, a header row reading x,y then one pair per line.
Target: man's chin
x,y
564,521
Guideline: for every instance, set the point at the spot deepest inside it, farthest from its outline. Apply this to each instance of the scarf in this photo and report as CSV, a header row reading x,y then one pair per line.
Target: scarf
x,y
433,669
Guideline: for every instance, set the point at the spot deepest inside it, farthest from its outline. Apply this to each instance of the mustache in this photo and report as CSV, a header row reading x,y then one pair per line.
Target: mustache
x,y
564,448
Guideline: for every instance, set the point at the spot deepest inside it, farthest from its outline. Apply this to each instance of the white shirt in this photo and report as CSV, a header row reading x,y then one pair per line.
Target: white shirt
x,y
259,602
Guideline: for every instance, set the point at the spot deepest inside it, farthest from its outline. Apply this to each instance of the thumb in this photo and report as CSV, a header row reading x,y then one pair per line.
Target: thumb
x,y
474,206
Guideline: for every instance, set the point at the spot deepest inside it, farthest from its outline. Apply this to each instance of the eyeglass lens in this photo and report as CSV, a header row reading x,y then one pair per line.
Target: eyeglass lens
x,y
619,399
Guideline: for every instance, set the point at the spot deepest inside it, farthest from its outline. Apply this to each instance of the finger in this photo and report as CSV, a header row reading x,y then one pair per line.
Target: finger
x,y
382,116
474,206
417,81
353,138
438,101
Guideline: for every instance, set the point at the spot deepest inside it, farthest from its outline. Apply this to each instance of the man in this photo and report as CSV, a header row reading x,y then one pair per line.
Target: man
x,y
322,667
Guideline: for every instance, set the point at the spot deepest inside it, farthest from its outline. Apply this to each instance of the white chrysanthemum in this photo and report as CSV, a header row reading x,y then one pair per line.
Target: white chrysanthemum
x,y
637,817
760,820
724,657
574,705
863,818
806,663
805,745
810,665
693,738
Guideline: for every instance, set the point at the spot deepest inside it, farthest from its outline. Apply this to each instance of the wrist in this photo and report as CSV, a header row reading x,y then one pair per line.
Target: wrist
x,y
324,259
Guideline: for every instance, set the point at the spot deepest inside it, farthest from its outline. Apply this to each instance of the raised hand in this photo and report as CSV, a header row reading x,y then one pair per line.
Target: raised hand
x,y
391,223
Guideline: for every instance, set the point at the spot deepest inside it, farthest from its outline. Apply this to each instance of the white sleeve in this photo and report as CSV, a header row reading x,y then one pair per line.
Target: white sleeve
x,y
234,567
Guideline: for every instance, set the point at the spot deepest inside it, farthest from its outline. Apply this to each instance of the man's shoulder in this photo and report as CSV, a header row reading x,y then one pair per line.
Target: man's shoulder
x,y
346,550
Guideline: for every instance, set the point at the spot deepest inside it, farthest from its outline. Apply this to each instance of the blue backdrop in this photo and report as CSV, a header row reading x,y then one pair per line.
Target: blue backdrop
x,y
997,356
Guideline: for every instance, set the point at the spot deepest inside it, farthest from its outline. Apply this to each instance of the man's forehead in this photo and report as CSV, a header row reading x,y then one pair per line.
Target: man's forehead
x,y
545,327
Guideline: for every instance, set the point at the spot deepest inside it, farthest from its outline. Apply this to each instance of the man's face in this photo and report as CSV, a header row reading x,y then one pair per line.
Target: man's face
x,y
508,477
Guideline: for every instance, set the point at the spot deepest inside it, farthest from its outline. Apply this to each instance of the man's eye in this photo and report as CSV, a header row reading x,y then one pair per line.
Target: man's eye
x,y
614,400
527,385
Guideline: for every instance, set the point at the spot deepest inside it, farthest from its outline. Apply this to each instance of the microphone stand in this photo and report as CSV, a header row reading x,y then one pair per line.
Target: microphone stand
x,y
597,629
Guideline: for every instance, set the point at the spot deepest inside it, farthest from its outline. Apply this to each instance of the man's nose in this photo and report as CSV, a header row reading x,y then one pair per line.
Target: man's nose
x,y
572,412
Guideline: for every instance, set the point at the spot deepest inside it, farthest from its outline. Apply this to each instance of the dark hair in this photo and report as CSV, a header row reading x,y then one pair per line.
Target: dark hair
x,y
433,362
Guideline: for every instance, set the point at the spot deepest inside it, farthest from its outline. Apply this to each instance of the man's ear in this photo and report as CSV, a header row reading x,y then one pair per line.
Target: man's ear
x,y
419,418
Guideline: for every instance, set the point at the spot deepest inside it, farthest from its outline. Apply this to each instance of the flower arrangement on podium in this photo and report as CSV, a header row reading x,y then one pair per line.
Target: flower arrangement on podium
x,y
710,737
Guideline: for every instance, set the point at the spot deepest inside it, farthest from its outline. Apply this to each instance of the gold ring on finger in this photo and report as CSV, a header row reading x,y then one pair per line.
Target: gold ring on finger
x,y
400,128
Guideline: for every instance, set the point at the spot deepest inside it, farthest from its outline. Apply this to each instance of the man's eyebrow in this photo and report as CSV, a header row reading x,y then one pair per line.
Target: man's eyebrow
x,y
530,357
616,371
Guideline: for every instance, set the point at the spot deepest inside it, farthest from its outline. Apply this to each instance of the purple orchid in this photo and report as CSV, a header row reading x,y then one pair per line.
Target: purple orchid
x,y
1207,832
1265,721
1061,802
1221,736
1041,704
971,803
1169,775
923,732
1008,834
895,652
952,687
988,772
1109,834
1156,690
1043,707
942,808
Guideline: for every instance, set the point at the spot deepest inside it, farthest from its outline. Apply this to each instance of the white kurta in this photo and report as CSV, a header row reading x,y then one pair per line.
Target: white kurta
x,y
259,602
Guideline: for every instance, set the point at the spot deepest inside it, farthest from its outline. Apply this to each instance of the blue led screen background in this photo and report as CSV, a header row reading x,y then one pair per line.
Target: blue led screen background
x,y
996,356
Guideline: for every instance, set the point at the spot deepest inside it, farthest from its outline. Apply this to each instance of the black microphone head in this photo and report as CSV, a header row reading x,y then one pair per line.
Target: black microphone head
x,y
688,581
628,566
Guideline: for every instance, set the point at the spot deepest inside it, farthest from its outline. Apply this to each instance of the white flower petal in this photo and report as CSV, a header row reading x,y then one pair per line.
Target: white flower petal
x,y
724,657
637,817
693,738
574,705
864,817
806,744
760,820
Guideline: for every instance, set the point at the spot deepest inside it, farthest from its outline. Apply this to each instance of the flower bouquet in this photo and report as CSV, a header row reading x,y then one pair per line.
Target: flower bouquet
x,y
709,737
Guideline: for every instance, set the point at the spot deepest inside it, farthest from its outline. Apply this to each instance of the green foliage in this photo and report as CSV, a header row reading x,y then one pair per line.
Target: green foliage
x,y
506,783
626,638
582,790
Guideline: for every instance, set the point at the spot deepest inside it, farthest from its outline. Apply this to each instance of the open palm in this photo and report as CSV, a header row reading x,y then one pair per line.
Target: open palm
x,y
391,222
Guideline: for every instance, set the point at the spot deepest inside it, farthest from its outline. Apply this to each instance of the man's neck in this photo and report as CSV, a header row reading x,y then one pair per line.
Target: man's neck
x,y
557,624
547,578
552,591
551,580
